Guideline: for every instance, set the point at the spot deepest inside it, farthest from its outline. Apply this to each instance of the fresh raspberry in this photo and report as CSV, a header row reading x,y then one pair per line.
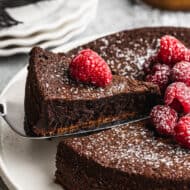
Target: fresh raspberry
x,y
89,67
164,119
165,69
181,72
187,55
182,131
171,50
160,75
177,96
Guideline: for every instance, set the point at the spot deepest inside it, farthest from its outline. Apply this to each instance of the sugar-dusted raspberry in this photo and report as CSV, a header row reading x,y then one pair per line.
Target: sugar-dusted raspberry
x,y
160,75
177,96
187,55
89,67
165,69
164,119
181,72
182,131
159,79
171,50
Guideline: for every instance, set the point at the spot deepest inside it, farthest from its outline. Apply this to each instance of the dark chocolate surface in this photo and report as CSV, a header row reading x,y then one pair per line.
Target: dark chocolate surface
x,y
132,157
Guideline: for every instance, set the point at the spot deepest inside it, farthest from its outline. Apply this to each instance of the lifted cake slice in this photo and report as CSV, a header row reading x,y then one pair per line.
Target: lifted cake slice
x,y
56,104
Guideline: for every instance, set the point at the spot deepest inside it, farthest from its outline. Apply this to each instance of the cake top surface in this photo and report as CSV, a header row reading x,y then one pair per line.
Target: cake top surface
x,y
134,148
51,71
125,52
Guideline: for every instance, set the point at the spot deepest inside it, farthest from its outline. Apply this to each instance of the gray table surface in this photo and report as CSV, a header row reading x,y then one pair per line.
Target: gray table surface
x,y
112,15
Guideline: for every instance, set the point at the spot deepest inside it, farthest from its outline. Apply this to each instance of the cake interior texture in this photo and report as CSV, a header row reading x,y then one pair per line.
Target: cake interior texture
x,y
134,156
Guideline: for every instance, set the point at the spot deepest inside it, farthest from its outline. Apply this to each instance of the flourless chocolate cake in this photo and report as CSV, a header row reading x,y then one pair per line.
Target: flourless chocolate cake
x,y
56,104
131,157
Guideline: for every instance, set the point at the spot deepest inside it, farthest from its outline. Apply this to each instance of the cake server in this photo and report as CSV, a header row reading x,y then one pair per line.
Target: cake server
x,y
13,114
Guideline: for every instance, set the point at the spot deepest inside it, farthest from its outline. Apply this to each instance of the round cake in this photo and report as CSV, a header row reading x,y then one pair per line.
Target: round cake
x,y
131,157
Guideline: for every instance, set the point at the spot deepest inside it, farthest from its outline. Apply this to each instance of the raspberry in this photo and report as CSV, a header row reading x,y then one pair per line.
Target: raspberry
x,y
182,131
161,67
160,75
177,95
89,67
181,72
164,119
171,50
187,55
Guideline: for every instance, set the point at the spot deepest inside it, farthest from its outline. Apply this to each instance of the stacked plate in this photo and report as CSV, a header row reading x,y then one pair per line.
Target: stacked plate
x,y
47,23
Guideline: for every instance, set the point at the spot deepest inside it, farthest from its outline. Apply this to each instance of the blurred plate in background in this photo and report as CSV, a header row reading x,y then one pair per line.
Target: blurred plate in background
x,y
52,38
68,20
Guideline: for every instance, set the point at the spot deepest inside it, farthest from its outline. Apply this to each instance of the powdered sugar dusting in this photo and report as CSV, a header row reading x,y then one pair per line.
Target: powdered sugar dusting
x,y
135,149
124,54
164,119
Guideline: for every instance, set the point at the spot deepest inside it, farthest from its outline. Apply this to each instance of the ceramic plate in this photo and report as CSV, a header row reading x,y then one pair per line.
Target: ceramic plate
x,y
27,164
63,35
50,34
45,15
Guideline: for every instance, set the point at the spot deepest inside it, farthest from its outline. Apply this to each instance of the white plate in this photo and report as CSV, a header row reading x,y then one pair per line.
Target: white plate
x,y
50,34
71,31
27,164
40,19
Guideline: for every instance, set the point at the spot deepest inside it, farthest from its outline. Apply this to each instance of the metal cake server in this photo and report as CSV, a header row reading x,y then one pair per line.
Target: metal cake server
x,y
12,110
7,112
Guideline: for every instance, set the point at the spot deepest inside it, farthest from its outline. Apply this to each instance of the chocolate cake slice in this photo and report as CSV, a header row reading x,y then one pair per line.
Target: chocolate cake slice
x,y
56,104
132,157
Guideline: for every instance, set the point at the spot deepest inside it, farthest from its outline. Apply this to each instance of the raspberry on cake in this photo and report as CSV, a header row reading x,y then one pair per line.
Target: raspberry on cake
x,y
160,75
181,72
89,67
177,96
164,119
182,131
171,50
